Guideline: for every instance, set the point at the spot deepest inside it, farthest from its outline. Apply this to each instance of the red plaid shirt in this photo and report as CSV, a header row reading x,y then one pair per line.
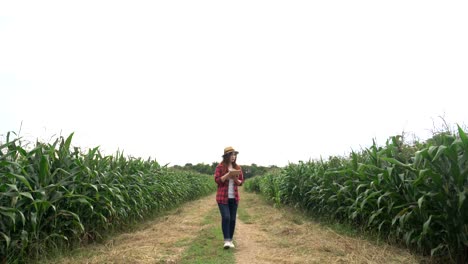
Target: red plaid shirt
x,y
222,193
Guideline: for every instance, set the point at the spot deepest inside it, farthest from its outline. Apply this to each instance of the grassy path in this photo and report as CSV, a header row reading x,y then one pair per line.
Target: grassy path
x,y
264,234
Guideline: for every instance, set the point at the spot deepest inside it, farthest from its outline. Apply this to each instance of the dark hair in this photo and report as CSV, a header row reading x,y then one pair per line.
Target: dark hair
x,y
227,158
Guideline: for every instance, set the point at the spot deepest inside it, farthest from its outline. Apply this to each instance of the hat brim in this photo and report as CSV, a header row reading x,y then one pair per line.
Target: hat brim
x,y
225,154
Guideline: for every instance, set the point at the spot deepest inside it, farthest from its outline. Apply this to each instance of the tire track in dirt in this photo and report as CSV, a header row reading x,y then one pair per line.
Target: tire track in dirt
x,y
251,245
160,241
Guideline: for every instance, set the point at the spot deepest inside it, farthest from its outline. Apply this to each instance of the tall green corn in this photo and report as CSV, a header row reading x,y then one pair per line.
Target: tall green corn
x,y
54,196
413,193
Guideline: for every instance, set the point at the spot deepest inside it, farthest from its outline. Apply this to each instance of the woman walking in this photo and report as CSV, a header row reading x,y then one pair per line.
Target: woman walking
x,y
228,176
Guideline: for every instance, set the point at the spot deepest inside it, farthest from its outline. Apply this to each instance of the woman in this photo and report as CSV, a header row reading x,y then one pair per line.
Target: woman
x,y
228,176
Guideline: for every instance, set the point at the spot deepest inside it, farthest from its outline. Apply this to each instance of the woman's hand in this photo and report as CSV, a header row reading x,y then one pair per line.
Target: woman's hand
x,y
225,177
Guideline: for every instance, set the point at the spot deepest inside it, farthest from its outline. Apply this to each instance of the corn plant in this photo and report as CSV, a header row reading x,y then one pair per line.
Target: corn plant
x,y
55,196
414,193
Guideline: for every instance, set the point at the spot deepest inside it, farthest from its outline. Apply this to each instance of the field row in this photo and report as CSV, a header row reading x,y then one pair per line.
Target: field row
x,y
414,193
53,196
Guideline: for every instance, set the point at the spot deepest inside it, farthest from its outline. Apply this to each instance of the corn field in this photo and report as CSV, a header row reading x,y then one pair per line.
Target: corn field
x,y
415,194
53,196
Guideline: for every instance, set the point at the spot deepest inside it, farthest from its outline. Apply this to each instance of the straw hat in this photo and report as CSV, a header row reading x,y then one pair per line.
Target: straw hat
x,y
228,150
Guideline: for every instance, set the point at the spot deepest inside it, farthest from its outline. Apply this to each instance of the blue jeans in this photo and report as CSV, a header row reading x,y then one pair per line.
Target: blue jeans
x,y
228,218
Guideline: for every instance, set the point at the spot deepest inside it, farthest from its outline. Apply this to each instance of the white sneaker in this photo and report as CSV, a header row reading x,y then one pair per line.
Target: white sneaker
x,y
231,245
227,245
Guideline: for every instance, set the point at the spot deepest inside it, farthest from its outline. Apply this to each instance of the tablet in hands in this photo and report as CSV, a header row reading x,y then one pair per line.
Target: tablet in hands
x,y
234,173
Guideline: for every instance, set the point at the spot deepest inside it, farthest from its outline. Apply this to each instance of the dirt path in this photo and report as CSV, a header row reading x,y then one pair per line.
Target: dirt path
x,y
160,241
264,234
252,245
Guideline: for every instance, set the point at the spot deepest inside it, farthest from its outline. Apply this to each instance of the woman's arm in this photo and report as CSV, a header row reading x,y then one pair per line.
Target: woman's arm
x,y
219,178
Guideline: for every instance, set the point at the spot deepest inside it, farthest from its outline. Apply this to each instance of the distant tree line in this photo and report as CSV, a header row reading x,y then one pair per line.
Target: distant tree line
x,y
248,170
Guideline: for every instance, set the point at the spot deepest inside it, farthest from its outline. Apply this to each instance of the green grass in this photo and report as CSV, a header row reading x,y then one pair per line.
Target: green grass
x,y
207,247
243,215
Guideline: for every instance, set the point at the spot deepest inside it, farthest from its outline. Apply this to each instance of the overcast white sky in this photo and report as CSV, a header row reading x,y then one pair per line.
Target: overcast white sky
x,y
281,81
